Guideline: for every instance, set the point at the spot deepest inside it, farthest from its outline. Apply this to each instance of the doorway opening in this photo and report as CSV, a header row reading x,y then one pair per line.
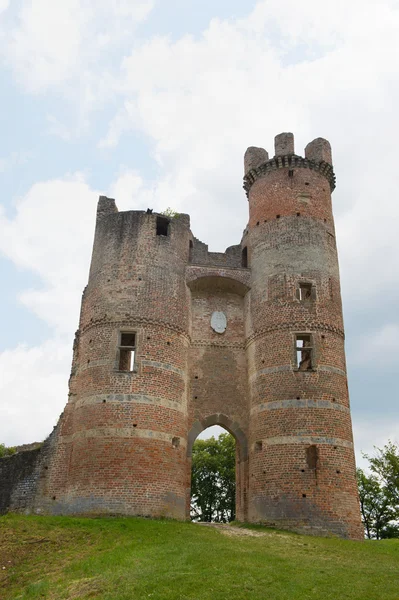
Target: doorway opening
x,y
213,477
238,465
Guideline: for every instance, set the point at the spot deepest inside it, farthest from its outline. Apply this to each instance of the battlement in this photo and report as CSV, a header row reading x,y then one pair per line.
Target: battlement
x,y
317,158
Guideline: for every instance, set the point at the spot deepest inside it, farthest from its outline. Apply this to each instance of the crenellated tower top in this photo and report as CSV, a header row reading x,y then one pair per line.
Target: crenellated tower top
x,y
317,158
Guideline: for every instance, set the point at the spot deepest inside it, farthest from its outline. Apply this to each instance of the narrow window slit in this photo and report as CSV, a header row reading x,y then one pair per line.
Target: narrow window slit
x,y
190,250
244,257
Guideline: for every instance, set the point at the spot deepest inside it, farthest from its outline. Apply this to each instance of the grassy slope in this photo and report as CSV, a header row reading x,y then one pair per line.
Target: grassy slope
x,y
115,559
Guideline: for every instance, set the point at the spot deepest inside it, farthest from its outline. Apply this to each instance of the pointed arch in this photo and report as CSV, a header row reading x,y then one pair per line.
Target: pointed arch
x,y
224,421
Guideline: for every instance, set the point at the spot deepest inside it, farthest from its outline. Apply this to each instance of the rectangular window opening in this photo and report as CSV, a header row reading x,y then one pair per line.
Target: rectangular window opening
x,y
305,291
162,226
127,350
304,352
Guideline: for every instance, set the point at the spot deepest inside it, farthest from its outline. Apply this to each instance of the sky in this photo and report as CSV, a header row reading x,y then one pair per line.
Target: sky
x,y
154,102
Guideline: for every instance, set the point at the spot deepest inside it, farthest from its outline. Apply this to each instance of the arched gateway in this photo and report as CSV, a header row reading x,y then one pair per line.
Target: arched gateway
x,y
241,459
173,338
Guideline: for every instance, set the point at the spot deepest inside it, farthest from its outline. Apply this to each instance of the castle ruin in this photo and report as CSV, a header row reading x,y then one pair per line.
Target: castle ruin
x,y
173,339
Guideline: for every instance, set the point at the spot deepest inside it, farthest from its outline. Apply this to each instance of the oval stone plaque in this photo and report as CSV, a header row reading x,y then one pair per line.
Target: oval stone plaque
x,y
218,322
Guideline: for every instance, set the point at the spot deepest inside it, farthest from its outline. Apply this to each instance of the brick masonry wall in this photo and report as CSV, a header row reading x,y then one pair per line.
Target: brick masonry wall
x,y
18,480
218,368
291,240
123,444
23,476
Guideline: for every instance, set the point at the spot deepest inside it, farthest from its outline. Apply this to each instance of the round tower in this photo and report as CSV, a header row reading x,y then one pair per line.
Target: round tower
x,y
302,465
122,438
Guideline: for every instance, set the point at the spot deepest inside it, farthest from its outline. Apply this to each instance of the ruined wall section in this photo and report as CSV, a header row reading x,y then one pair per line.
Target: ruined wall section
x,y
123,435
302,472
123,443
200,255
18,481
23,476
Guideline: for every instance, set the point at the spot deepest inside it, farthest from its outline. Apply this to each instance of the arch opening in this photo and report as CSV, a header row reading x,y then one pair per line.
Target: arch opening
x,y
213,477
217,471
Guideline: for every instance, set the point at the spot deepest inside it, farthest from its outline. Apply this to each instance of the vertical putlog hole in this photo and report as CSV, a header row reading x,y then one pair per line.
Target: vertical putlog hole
x,y
312,457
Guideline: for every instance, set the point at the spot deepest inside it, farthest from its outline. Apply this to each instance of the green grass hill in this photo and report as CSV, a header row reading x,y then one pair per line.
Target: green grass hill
x,y
130,558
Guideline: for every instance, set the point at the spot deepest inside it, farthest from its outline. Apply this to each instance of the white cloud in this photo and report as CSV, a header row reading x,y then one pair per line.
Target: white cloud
x,y
51,44
378,348
370,434
33,390
51,235
126,188
203,100
4,4
44,47
327,70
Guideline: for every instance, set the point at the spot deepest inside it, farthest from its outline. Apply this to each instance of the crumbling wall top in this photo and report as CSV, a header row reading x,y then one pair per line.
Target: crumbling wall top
x,y
106,206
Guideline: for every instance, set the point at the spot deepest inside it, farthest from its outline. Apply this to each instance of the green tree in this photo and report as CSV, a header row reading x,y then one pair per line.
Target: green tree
x,y
213,479
376,508
385,465
6,451
379,493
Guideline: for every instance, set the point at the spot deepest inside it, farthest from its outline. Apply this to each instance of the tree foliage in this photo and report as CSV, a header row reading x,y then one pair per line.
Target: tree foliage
x,y
385,465
170,212
213,479
379,493
6,451
375,506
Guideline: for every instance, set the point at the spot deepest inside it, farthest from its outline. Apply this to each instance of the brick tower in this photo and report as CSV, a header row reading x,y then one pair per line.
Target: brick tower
x,y
173,338
122,435
302,467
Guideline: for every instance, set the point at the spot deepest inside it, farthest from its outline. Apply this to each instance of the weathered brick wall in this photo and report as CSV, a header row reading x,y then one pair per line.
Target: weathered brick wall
x,y
291,240
23,476
123,444
200,255
218,366
18,478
